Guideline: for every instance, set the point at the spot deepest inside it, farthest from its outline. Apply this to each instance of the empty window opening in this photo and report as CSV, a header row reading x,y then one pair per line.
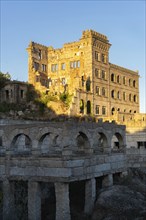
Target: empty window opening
x,y
141,144
88,84
88,107
82,106
112,77
7,94
36,66
124,80
22,93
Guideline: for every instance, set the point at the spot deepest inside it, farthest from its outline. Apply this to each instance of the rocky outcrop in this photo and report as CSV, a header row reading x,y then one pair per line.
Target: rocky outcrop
x,y
125,201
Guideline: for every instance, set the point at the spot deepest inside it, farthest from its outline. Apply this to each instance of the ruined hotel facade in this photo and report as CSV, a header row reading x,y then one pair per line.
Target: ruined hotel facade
x,y
82,69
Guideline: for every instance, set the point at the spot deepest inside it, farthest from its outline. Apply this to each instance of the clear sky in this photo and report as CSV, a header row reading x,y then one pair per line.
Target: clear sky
x,y
57,22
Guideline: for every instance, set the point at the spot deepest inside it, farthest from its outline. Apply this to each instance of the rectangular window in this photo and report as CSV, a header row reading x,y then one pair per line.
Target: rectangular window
x,y
36,66
141,144
63,81
37,79
97,73
22,93
97,56
54,67
40,54
103,91
44,67
103,110
103,58
78,64
103,74
75,64
63,66
97,90
97,110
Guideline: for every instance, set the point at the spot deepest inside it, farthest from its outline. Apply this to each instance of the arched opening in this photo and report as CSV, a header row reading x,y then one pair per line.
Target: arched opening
x,y
88,107
102,142
135,98
48,201
21,143
77,198
117,143
134,83
82,106
48,142
124,80
113,94
88,84
82,142
112,77
113,111
118,79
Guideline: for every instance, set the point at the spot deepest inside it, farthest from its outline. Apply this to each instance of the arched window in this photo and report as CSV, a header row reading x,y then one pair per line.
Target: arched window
x,y
124,96
118,95
124,80
134,83
81,106
113,111
129,82
130,97
113,94
88,107
112,77
135,98
118,79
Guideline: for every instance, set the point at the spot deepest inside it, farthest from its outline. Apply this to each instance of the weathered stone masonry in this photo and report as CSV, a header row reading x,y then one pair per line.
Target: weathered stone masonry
x,y
60,153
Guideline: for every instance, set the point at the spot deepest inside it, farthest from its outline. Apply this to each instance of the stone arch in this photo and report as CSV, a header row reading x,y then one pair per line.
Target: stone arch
x,y
117,142
48,142
88,107
21,143
102,141
82,142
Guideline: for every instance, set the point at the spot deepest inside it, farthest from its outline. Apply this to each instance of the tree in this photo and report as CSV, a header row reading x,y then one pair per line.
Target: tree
x,y
4,77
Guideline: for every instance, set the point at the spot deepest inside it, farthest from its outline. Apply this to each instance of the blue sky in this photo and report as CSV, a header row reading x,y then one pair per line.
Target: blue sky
x,y
57,22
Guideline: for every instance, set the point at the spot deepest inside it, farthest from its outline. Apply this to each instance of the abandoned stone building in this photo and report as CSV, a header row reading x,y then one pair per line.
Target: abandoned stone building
x,y
13,92
82,68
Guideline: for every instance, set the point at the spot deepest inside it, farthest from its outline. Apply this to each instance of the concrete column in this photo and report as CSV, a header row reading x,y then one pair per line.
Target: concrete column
x,y
107,180
34,201
62,201
90,195
8,200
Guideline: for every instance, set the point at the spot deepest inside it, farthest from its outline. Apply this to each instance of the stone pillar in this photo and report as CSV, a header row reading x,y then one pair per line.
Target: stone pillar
x,y
62,201
34,201
8,200
107,180
90,195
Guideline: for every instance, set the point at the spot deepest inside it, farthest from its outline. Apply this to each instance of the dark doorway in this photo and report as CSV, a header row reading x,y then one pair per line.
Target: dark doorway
x,y
77,199
88,107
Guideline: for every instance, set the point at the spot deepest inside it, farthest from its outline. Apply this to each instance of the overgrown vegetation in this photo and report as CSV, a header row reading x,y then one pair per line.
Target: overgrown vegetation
x,y
65,97
4,78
